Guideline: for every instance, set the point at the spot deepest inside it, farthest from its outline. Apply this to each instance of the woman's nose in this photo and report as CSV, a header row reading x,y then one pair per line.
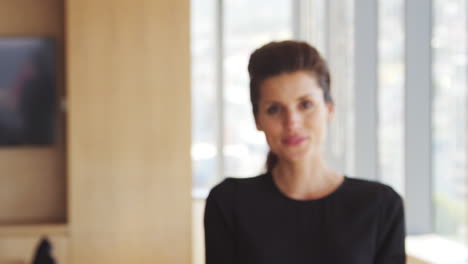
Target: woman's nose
x,y
291,120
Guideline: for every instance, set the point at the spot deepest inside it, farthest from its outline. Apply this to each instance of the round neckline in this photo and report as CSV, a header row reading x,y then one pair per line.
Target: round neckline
x,y
305,201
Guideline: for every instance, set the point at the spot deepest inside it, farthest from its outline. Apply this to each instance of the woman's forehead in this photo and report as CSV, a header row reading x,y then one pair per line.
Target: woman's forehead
x,y
290,86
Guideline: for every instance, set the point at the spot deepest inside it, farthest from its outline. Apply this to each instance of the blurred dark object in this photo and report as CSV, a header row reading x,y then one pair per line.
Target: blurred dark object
x,y
44,253
28,94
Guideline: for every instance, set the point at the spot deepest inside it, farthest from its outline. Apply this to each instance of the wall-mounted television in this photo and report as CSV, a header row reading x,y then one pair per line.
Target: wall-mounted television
x,y
28,94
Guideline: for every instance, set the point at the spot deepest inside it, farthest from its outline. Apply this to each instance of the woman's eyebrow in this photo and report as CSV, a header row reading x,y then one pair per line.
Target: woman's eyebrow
x,y
306,96
269,102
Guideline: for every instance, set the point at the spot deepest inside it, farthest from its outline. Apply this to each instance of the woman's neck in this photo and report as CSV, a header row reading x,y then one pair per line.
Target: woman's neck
x,y
306,180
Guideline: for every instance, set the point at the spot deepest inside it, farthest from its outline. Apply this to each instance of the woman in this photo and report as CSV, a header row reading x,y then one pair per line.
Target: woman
x,y
300,210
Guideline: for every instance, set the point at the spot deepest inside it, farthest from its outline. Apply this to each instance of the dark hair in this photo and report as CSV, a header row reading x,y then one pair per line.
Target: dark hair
x,y
288,56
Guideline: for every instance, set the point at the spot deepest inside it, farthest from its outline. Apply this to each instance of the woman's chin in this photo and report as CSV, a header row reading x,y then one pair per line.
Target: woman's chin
x,y
297,156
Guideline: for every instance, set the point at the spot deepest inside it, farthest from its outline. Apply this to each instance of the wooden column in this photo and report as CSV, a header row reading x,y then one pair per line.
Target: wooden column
x,y
128,85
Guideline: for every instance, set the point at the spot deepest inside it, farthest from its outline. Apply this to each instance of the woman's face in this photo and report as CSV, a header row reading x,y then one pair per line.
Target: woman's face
x,y
293,115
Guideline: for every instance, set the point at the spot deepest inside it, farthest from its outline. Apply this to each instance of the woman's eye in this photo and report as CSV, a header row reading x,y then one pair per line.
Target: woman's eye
x,y
306,104
273,109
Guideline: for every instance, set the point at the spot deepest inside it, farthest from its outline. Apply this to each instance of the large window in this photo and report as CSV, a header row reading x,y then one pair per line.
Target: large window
x,y
391,93
204,99
450,118
399,79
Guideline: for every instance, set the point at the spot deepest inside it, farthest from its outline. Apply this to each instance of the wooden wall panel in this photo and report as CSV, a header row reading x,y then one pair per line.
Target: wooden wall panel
x,y
32,187
31,17
33,180
129,131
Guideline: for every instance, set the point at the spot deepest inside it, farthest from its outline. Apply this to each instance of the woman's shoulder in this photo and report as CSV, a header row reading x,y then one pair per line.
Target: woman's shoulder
x,y
370,189
229,186
367,185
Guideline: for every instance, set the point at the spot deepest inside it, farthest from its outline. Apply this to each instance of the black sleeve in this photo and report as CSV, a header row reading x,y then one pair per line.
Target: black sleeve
x,y
391,235
219,227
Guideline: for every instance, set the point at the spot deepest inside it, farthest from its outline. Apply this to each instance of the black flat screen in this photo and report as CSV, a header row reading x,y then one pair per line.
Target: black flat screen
x,y
28,95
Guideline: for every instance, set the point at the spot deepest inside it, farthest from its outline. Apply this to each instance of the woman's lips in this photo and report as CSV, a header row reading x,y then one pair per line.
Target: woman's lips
x,y
293,140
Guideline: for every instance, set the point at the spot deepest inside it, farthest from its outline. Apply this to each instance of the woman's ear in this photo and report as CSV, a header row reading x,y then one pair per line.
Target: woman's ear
x,y
331,111
258,125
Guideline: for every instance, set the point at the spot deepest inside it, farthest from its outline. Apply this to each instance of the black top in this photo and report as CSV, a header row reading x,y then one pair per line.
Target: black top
x,y
251,221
